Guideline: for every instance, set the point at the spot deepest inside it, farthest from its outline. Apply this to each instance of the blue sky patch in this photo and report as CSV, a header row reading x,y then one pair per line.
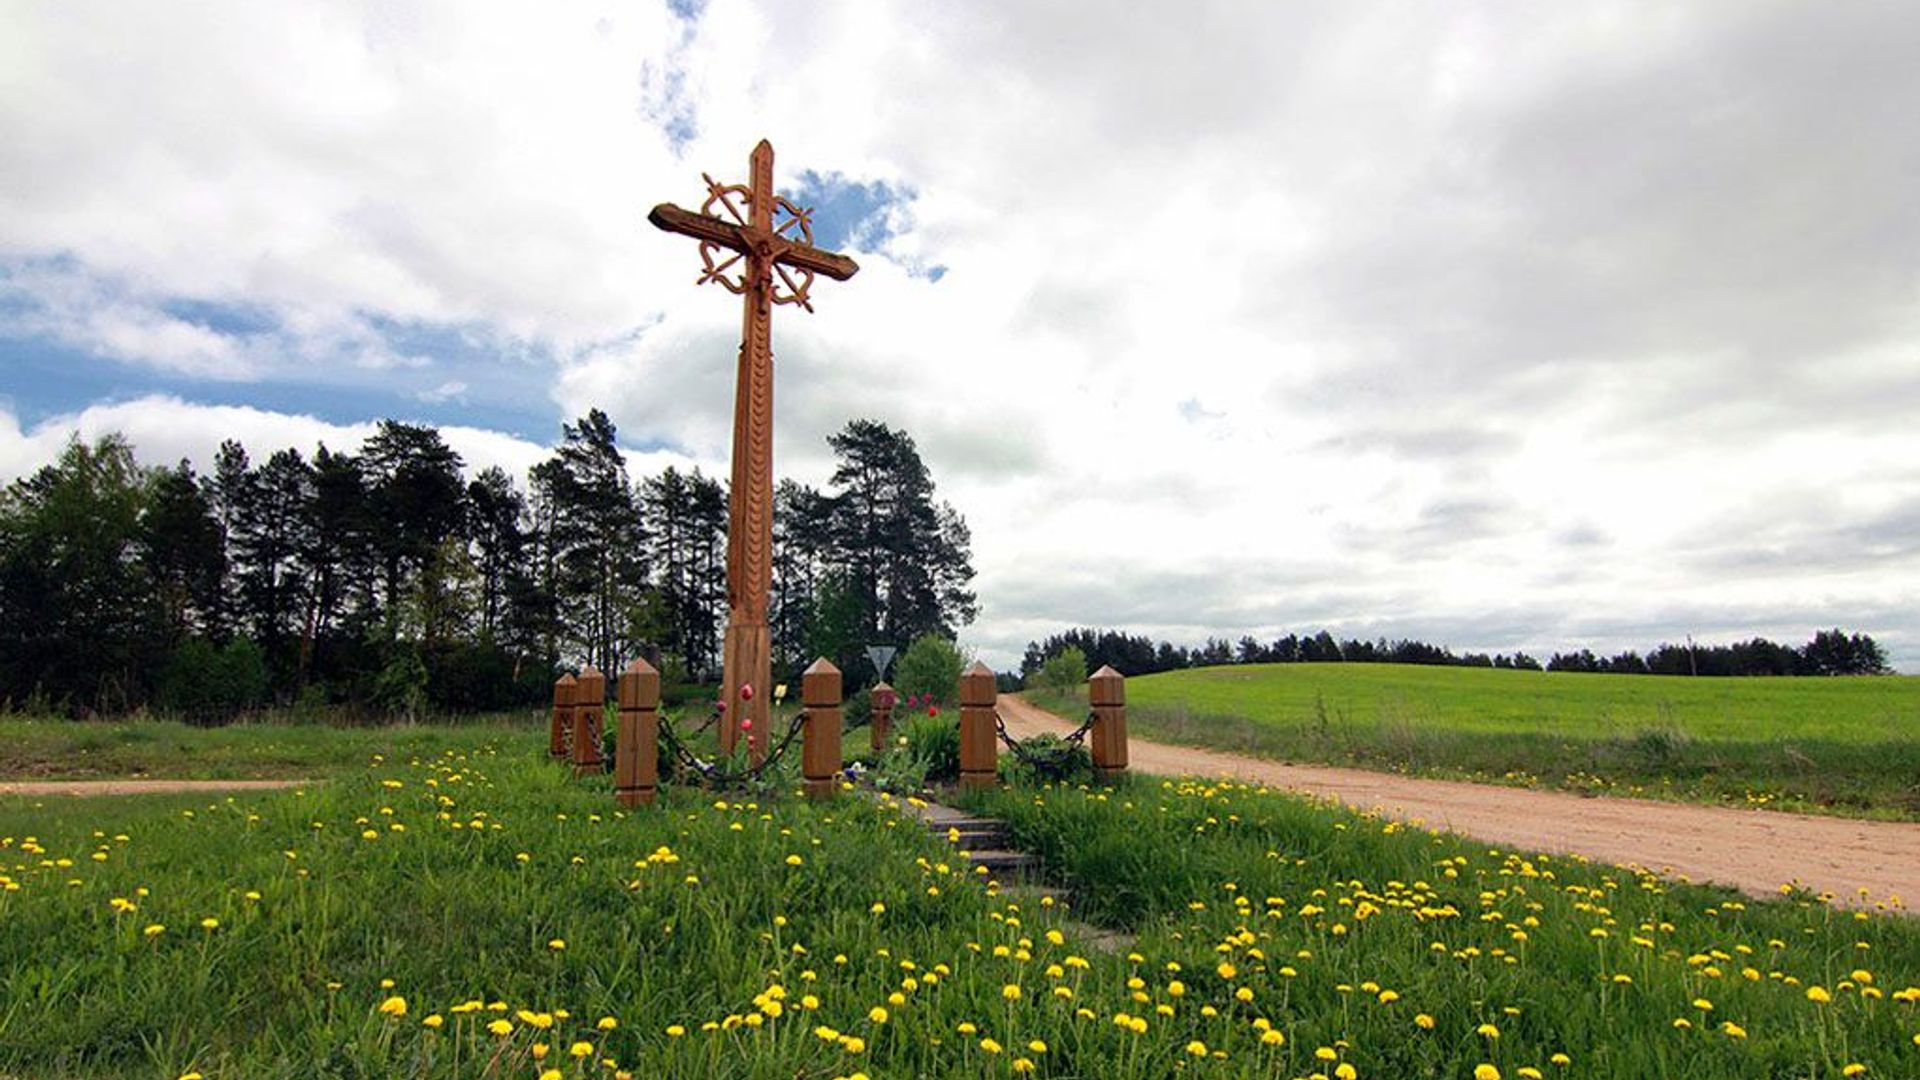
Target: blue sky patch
x,y
848,212
448,373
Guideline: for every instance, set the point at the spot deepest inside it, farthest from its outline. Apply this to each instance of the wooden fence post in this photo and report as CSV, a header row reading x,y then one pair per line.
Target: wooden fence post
x,y
560,727
820,760
882,698
1107,692
636,742
589,712
979,751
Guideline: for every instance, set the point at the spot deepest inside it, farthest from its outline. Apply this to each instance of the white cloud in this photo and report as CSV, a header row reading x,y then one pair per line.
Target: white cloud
x,y
1255,317
451,390
166,429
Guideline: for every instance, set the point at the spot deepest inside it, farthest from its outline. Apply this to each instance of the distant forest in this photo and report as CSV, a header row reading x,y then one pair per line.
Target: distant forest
x,y
388,581
1830,652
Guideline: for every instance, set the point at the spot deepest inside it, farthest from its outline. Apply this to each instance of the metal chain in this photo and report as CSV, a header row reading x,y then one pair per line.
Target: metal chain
x,y
1035,758
713,774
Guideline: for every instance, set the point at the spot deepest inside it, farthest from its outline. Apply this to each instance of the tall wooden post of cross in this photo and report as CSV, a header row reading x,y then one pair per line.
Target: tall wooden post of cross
x,y
758,246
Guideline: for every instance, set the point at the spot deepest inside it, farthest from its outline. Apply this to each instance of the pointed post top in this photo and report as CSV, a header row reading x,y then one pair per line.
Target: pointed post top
x,y
592,686
1106,687
763,147
639,686
977,686
820,685
565,680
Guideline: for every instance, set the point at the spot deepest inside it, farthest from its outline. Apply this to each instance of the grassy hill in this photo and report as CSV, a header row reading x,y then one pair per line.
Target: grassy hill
x,y
1847,745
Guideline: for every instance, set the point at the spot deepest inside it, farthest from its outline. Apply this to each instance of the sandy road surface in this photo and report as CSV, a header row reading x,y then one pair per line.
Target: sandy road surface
x,y
1752,850
139,787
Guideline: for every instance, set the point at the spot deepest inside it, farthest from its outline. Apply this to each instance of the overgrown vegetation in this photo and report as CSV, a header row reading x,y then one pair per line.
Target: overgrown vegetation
x,y
929,671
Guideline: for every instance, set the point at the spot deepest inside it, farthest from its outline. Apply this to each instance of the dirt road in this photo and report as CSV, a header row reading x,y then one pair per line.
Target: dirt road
x,y
1752,850
139,787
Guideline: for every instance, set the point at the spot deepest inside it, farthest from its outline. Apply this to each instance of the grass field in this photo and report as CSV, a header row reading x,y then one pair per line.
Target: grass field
x,y
472,913
59,749
1844,745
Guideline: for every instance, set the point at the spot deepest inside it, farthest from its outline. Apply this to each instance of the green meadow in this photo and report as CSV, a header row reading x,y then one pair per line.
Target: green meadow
x,y
50,748
1836,745
473,912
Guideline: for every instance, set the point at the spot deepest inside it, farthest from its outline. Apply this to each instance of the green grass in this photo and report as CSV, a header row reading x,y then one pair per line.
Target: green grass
x,y
754,936
59,749
1344,929
1842,745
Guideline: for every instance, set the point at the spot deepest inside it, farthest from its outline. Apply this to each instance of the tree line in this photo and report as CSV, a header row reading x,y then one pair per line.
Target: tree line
x,y
1830,652
387,579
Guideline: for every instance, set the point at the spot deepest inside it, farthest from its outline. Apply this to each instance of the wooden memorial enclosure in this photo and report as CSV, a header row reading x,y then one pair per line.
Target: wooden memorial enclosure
x,y
759,246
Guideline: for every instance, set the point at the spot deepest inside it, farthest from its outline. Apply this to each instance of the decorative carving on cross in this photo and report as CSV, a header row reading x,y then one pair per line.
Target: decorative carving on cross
x,y
757,245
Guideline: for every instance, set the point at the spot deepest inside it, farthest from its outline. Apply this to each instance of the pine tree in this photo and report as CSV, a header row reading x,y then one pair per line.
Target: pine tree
x,y
596,538
181,547
906,558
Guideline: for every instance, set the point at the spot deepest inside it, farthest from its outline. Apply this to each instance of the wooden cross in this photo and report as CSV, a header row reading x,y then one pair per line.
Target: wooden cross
x,y
746,252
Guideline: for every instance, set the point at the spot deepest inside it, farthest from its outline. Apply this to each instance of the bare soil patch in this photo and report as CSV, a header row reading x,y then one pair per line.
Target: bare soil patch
x,y
1755,851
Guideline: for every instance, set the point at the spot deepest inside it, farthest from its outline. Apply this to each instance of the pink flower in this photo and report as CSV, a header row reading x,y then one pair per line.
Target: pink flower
x,y
746,691
933,710
747,724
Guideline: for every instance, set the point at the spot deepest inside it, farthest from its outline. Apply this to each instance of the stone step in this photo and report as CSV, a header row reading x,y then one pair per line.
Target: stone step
x,y
1005,865
975,836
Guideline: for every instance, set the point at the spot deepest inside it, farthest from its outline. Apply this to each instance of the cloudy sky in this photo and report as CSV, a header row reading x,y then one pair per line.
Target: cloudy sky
x,y
1504,326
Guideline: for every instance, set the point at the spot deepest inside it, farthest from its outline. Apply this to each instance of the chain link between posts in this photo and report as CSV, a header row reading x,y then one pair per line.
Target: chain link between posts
x,y
1051,759
710,772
